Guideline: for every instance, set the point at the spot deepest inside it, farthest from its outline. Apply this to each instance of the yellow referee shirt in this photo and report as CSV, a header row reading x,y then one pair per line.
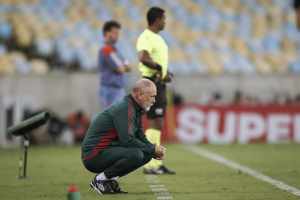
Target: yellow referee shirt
x,y
156,46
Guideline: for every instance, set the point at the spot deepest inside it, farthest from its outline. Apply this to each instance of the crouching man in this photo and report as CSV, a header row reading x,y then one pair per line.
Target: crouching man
x,y
115,144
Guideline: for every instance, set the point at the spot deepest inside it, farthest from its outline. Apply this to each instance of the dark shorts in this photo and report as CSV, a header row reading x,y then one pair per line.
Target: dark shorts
x,y
159,107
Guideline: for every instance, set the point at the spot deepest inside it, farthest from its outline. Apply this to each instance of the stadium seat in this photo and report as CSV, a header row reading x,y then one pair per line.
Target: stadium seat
x,y
236,33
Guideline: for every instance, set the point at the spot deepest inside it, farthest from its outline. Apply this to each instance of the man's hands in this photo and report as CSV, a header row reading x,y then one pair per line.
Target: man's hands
x,y
160,152
168,77
127,66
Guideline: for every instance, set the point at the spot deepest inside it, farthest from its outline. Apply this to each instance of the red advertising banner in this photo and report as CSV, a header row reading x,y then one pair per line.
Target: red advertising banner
x,y
232,124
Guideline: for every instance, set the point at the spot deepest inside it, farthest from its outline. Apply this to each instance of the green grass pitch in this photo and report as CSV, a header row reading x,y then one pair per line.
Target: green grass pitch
x,y
52,169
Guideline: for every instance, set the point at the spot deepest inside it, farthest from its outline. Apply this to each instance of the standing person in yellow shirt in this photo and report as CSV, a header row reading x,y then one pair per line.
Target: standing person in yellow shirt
x,y
153,56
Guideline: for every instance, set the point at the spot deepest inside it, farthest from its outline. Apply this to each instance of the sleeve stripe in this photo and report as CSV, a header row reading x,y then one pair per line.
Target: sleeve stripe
x,y
116,59
130,120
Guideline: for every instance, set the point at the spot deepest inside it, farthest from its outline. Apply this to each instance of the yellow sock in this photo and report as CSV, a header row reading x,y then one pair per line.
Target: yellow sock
x,y
153,135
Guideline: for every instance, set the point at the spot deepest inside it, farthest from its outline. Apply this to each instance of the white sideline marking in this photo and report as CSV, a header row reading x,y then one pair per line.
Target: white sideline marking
x,y
156,186
160,191
164,197
222,160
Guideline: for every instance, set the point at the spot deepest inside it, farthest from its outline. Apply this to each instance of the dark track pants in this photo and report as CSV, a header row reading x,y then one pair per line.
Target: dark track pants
x,y
117,161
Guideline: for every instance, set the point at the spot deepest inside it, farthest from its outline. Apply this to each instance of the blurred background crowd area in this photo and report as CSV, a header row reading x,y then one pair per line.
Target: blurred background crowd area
x,y
222,52
204,36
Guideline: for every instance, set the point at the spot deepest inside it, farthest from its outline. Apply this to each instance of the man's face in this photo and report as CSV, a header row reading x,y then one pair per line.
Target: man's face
x,y
112,36
147,98
161,22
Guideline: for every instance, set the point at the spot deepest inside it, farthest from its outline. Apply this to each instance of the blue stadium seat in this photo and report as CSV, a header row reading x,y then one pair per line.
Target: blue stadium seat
x,y
249,21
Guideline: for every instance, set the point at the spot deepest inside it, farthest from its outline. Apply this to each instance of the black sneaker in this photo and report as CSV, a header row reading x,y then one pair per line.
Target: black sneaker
x,y
116,187
166,170
153,171
101,187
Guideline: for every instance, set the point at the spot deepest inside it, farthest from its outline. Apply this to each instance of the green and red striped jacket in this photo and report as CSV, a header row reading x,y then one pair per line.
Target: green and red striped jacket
x,y
119,125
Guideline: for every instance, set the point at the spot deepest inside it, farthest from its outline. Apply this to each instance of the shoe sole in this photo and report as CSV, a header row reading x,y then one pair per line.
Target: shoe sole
x,y
94,188
160,173
156,172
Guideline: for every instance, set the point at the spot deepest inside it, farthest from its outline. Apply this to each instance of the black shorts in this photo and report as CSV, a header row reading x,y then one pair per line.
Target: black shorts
x,y
158,109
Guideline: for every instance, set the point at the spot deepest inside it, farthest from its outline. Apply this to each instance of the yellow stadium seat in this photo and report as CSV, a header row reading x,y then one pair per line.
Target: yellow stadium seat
x,y
6,66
